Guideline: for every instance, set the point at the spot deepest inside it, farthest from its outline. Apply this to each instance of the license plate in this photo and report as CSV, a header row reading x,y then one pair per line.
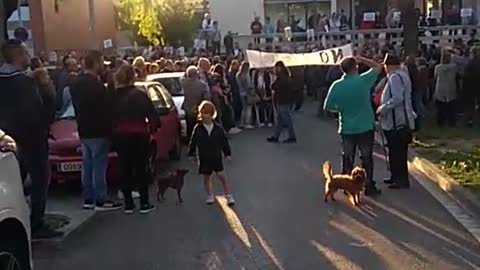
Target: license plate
x,y
70,167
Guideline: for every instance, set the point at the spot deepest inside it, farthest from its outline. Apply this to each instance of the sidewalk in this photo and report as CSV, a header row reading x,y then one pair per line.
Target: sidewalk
x,y
446,163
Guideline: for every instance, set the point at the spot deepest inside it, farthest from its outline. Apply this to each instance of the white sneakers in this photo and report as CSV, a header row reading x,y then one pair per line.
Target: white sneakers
x,y
249,127
234,131
210,199
230,201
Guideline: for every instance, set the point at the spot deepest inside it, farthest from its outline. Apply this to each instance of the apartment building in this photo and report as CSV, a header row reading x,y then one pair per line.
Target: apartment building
x,y
236,15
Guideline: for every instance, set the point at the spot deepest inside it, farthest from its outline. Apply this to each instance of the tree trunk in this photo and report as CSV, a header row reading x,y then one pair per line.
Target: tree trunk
x,y
410,26
2,22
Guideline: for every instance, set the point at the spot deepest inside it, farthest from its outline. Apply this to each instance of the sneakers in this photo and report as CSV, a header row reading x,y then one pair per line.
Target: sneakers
x,y
230,200
269,125
129,209
108,206
147,208
87,205
272,140
46,233
249,127
234,131
210,199
261,125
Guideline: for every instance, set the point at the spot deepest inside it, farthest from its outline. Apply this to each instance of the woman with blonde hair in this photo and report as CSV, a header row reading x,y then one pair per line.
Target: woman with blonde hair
x,y
210,140
140,67
445,95
247,95
131,132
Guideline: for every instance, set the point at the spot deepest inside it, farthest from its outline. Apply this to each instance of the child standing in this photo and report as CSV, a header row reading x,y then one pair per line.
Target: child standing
x,y
211,141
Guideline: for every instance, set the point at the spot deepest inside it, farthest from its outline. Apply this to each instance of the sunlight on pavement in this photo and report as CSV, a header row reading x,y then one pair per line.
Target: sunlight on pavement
x,y
423,227
392,256
340,262
266,247
234,222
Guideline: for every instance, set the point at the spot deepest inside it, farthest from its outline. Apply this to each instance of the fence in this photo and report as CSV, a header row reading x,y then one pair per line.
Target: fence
x,y
427,35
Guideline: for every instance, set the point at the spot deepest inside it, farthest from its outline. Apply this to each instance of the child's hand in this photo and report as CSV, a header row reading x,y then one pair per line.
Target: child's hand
x,y
229,158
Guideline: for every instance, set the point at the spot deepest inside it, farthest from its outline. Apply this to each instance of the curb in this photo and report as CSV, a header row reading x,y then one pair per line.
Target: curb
x,y
443,181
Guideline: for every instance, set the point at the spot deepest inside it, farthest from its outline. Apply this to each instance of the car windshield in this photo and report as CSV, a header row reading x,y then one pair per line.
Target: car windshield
x,y
173,86
67,111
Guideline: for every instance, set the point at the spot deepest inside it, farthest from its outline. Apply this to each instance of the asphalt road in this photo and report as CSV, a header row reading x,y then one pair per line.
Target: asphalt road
x,y
279,222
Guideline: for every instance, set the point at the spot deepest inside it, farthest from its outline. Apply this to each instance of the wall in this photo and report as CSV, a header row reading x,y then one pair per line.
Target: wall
x,y
68,28
236,15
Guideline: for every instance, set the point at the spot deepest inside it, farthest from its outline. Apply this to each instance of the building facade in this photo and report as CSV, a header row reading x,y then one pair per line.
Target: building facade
x,y
236,15
65,25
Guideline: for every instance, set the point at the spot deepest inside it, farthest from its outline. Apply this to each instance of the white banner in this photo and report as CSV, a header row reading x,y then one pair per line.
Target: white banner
x,y
331,56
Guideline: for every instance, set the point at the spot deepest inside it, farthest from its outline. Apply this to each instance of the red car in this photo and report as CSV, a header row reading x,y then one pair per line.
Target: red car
x,y
65,152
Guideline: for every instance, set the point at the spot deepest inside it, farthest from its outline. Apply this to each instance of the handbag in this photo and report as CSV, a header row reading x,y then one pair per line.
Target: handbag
x,y
404,130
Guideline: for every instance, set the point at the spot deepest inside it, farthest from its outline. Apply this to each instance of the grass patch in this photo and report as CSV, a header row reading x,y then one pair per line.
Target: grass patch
x,y
462,166
454,150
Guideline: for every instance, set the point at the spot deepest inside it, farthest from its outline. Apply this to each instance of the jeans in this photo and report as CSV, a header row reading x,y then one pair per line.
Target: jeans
x,y
94,170
364,141
246,118
191,121
34,162
284,121
446,113
397,142
133,155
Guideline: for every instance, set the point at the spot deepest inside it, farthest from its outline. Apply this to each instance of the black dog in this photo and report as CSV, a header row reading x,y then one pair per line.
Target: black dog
x,y
172,180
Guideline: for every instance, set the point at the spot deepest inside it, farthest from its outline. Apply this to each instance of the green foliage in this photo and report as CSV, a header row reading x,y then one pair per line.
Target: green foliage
x,y
159,21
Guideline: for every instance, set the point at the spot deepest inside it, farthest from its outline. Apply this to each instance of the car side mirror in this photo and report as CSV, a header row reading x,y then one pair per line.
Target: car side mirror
x,y
162,111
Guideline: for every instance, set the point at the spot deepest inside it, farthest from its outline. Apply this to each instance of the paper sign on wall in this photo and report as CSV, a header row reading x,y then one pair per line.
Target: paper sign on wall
x,y
466,12
369,16
107,43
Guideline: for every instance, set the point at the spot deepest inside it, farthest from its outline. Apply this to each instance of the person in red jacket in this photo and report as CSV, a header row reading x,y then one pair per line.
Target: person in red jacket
x,y
131,132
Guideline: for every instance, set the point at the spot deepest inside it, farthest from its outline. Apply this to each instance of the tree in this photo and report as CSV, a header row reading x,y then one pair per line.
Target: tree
x,y
159,21
410,26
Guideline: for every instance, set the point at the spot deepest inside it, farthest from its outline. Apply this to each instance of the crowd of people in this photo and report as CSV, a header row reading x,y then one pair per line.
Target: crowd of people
x,y
111,112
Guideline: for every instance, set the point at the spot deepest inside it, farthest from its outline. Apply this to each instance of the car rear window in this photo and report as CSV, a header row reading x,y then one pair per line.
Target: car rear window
x,y
173,85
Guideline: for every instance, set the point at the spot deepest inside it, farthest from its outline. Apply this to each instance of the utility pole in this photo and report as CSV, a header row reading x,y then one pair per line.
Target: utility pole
x,y
410,26
92,21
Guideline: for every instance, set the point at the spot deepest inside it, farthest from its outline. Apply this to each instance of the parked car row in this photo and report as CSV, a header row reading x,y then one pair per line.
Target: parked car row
x,y
65,151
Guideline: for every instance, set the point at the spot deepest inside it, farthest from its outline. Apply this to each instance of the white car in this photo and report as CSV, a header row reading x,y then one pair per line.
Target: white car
x,y
15,237
171,81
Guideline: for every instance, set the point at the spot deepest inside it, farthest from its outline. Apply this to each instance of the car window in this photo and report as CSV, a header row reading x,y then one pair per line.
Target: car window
x,y
156,96
173,85
166,95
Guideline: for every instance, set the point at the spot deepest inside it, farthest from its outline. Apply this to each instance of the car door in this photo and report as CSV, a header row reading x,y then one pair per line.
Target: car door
x,y
172,118
164,137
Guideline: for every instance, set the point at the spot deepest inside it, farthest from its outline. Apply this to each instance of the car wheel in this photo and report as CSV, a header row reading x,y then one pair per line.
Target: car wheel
x,y
176,152
13,256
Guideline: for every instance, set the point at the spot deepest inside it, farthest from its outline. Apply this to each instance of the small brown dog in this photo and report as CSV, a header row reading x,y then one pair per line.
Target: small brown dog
x,y
352,184
174,180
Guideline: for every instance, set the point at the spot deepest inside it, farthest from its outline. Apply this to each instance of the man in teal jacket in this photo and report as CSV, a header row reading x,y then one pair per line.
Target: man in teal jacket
x,y
350,97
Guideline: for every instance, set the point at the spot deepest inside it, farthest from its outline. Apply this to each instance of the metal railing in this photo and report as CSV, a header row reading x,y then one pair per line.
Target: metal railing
x,y
427,35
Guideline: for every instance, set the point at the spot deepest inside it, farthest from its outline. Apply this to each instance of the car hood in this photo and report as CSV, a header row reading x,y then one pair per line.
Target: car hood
x,y
64,136
178,100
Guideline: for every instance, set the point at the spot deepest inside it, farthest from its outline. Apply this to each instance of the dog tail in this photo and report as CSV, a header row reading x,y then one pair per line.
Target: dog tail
x,y
327,170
